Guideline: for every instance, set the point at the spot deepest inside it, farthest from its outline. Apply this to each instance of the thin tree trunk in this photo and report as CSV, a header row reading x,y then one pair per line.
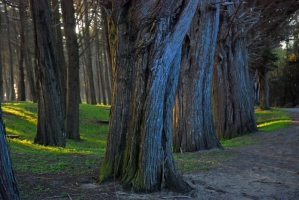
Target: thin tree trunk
x,y
12,95
148,55
107,56
8,183
60,51
21,86
193,124
264,90
101,90
103,83
73,83
50,122
91,90
107,76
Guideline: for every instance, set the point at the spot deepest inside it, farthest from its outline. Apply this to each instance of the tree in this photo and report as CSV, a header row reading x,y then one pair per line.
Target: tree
x,y
233,106
88,63
8,183
193,121
147,52
21,87
73,90
12,94
270,28
60,50
50,122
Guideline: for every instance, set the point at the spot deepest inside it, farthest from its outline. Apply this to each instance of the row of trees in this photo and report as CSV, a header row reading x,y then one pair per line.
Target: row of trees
x,y
224,41
181,77
17,51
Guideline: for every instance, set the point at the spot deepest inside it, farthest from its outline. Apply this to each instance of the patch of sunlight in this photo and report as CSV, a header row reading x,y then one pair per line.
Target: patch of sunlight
x,y
12,131
272,122
33,146
21,112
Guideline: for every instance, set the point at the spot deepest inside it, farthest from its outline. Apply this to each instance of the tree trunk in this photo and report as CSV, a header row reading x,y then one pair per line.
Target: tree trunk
x,y
8,184
12,95
193,124
233,103
73,83
50,122
21,86
107,52
90,85
107,76
147,56
264,90
2,68
60,51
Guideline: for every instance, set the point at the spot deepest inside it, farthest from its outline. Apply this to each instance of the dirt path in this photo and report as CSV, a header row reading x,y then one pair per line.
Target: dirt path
x,y
266,169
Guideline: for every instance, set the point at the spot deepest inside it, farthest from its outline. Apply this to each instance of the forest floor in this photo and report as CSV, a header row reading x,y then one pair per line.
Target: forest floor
x,y
266,168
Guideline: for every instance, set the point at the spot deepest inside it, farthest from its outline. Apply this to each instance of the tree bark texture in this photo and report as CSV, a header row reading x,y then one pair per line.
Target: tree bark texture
x,y
264,89
73,82
2,71
8,183
90,86
12,95
193,121
50,122
146,46
21,85
60,51
233,103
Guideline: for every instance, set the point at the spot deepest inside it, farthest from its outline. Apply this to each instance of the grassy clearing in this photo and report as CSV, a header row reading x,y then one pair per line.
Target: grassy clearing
x,y
78,157
273,119
21,118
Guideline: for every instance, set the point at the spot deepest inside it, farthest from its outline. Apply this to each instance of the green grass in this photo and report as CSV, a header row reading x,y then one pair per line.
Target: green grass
x,y
238,141
273,119
21,118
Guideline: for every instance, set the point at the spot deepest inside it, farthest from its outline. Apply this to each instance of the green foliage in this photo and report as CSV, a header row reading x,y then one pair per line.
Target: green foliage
x,y
21,118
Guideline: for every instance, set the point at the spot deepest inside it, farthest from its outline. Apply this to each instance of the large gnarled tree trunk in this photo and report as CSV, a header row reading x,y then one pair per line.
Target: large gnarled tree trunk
x,y
193,121
50,122
8,183
147,53
233,104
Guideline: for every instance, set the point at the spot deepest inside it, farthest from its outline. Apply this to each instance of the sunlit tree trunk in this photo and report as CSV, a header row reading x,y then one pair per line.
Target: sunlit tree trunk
x,y
233,103
50,122
193,121
73,83
8,184
147,53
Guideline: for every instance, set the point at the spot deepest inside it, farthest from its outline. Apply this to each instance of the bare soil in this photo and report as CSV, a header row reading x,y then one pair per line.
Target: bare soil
x,y
266,169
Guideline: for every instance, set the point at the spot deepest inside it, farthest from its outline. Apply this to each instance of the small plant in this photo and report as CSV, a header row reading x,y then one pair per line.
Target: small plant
x,y
64,194
81,197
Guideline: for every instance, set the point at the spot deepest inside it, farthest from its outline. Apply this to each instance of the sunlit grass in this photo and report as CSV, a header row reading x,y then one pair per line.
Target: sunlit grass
x,y
20,119
273,119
